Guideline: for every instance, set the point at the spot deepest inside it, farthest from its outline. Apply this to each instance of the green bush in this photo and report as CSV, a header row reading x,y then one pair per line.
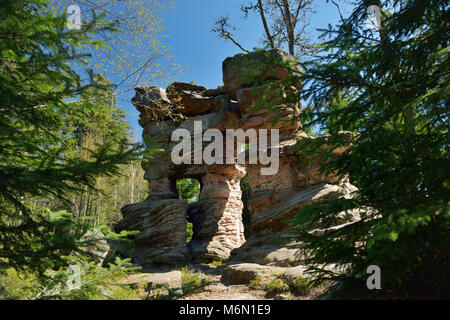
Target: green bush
x,y
192,282
15,285
300,286
276,286
255,284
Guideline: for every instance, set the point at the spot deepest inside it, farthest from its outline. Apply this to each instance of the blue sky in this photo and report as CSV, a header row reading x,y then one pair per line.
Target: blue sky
x,y
201,52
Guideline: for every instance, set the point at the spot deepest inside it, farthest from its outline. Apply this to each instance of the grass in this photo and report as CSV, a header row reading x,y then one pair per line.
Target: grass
x,y
215,263
255,284
125,293
275,286
192,282
16,285
300,286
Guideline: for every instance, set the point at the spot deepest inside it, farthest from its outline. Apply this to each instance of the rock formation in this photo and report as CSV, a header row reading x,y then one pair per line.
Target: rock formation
x,y
254,89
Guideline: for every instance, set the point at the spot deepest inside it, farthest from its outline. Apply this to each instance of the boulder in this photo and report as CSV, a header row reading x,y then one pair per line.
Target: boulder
x,y
95,244
155,220
178,86
244,70
219,91
243,273
291,274
274,249
229,112
273,218
159,128
156,285
189,100
152,102
257,87
209,121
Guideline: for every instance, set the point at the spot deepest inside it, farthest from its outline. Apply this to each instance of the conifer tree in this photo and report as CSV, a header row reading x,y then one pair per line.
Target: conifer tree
x,y
389,84
42,76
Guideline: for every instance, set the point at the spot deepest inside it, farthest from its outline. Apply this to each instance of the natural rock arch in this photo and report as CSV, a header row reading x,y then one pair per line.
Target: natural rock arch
x,y
219,231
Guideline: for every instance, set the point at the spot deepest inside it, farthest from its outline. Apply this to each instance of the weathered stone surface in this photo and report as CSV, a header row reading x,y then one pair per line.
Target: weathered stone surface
x,y
156,285
273,217
208,121
267,95
152,102
94,243
255,91
219,91
291,274
159,128
189,100
218,214
243,70
275,249
155,220
269,106
178,86
342,220
243,273
230,114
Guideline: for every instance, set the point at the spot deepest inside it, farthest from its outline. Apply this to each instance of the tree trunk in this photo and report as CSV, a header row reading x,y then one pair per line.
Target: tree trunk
x,y
287,17
266,27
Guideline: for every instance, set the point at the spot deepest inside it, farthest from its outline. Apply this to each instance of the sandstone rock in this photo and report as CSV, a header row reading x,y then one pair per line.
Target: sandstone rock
x,y
152,103
229,112
219,91
273,217
209,121
275,249
243,70
219,228
281,297
178,86
264,96
243,273
156,219
159,128
189,99
157,285
291,274
96,246
255,89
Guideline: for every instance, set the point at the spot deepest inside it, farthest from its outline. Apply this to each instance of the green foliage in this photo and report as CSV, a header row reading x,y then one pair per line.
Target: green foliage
x,y
192,282
189,231
80,277
300,286
41,80
96,282
246,215
188,189
255,284
215,263
124,293
134,52
391,87
15,285
275,286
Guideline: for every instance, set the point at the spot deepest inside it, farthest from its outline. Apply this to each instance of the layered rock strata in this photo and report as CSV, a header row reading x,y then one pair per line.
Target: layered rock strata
x,y
257,94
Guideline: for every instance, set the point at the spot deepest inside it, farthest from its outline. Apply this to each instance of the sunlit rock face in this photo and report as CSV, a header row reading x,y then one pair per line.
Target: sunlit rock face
x,y
255,87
